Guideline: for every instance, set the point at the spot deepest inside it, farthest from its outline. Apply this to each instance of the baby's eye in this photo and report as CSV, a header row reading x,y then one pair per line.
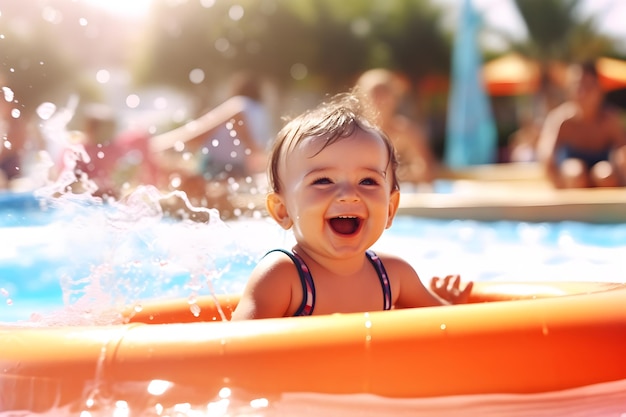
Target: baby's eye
x,y
369,181
322,180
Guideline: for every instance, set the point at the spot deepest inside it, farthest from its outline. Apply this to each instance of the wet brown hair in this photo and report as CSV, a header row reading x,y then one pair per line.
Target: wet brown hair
x,y
333,120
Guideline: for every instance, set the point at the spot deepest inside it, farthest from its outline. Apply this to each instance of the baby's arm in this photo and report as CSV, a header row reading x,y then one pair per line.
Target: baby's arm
x,y
409,291
268,292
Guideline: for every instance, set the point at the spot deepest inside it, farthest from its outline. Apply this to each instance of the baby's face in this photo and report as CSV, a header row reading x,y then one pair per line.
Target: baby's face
x,y
339,199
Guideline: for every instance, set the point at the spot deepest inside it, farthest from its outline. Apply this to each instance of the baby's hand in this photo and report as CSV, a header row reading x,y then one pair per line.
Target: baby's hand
x,y
449,288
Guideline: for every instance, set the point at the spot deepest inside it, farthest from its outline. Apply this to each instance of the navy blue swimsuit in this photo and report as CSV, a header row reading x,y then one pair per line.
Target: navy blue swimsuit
x,y
308,287
590,158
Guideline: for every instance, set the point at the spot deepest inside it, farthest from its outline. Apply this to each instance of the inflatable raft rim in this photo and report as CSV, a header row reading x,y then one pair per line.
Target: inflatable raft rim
x,y
529,338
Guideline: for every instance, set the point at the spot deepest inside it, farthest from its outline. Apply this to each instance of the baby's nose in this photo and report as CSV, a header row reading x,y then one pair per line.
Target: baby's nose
x,y
348,193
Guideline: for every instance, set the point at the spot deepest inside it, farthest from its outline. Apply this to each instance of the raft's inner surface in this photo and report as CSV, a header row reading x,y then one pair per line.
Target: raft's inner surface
x,y
221,306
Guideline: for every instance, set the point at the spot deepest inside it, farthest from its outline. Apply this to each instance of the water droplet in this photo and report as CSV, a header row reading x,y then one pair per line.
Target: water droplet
x,y
225,392
46,110
260,403
158,386
196,76
103,76
133,101
236,12
299,71
195,310
222,44
8,94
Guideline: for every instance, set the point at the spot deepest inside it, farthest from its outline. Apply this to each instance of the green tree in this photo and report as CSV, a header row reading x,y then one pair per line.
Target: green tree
x,y
332,41
32,65
411,33
557,32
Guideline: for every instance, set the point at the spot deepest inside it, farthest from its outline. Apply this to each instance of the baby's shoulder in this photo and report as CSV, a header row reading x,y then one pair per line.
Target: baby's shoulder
x,y
276,263
393,262
274,270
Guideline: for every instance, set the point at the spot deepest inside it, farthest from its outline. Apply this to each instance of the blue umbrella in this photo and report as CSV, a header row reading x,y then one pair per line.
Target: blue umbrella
x,y
471,136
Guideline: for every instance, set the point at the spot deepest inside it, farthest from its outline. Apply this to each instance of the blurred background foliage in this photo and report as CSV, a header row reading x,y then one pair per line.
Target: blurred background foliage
x,y
331,41
52,48
557,33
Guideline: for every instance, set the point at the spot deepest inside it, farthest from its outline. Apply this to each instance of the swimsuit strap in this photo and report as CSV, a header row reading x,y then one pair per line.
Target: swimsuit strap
x,y
382,276
308,288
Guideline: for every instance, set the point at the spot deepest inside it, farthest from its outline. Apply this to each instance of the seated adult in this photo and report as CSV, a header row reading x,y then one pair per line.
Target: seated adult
x,y
583,142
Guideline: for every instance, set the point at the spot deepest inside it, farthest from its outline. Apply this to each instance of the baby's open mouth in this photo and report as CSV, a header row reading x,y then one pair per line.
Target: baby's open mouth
x,y
345,225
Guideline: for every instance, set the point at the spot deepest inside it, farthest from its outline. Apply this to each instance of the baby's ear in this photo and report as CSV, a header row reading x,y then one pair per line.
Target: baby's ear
x,y
277,209
394,202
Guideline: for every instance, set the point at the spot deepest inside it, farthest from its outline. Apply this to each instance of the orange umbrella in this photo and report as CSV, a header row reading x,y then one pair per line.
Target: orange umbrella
x,y
514,74
612,73
511,74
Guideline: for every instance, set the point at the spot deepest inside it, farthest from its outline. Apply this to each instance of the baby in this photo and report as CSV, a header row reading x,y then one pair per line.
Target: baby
x,y
333,180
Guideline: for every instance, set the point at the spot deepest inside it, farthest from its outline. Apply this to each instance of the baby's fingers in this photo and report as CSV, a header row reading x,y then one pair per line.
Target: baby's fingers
x,y
453,282
449,288
465,294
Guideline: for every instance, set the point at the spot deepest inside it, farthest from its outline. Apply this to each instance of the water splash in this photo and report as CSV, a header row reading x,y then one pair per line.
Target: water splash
x,y
127,252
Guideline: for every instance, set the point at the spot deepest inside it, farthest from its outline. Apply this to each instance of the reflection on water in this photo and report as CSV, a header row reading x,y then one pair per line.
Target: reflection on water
x,y
599,400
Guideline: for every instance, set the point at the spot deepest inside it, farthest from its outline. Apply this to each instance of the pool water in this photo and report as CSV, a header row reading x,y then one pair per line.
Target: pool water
x,y
76,261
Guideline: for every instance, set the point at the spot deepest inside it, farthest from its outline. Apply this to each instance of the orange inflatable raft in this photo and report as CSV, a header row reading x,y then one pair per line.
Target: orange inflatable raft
x,y
513,338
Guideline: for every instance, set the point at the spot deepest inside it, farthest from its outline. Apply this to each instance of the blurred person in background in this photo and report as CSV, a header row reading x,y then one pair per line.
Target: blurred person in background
x,y
384,90
106,163
228,144
582,141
